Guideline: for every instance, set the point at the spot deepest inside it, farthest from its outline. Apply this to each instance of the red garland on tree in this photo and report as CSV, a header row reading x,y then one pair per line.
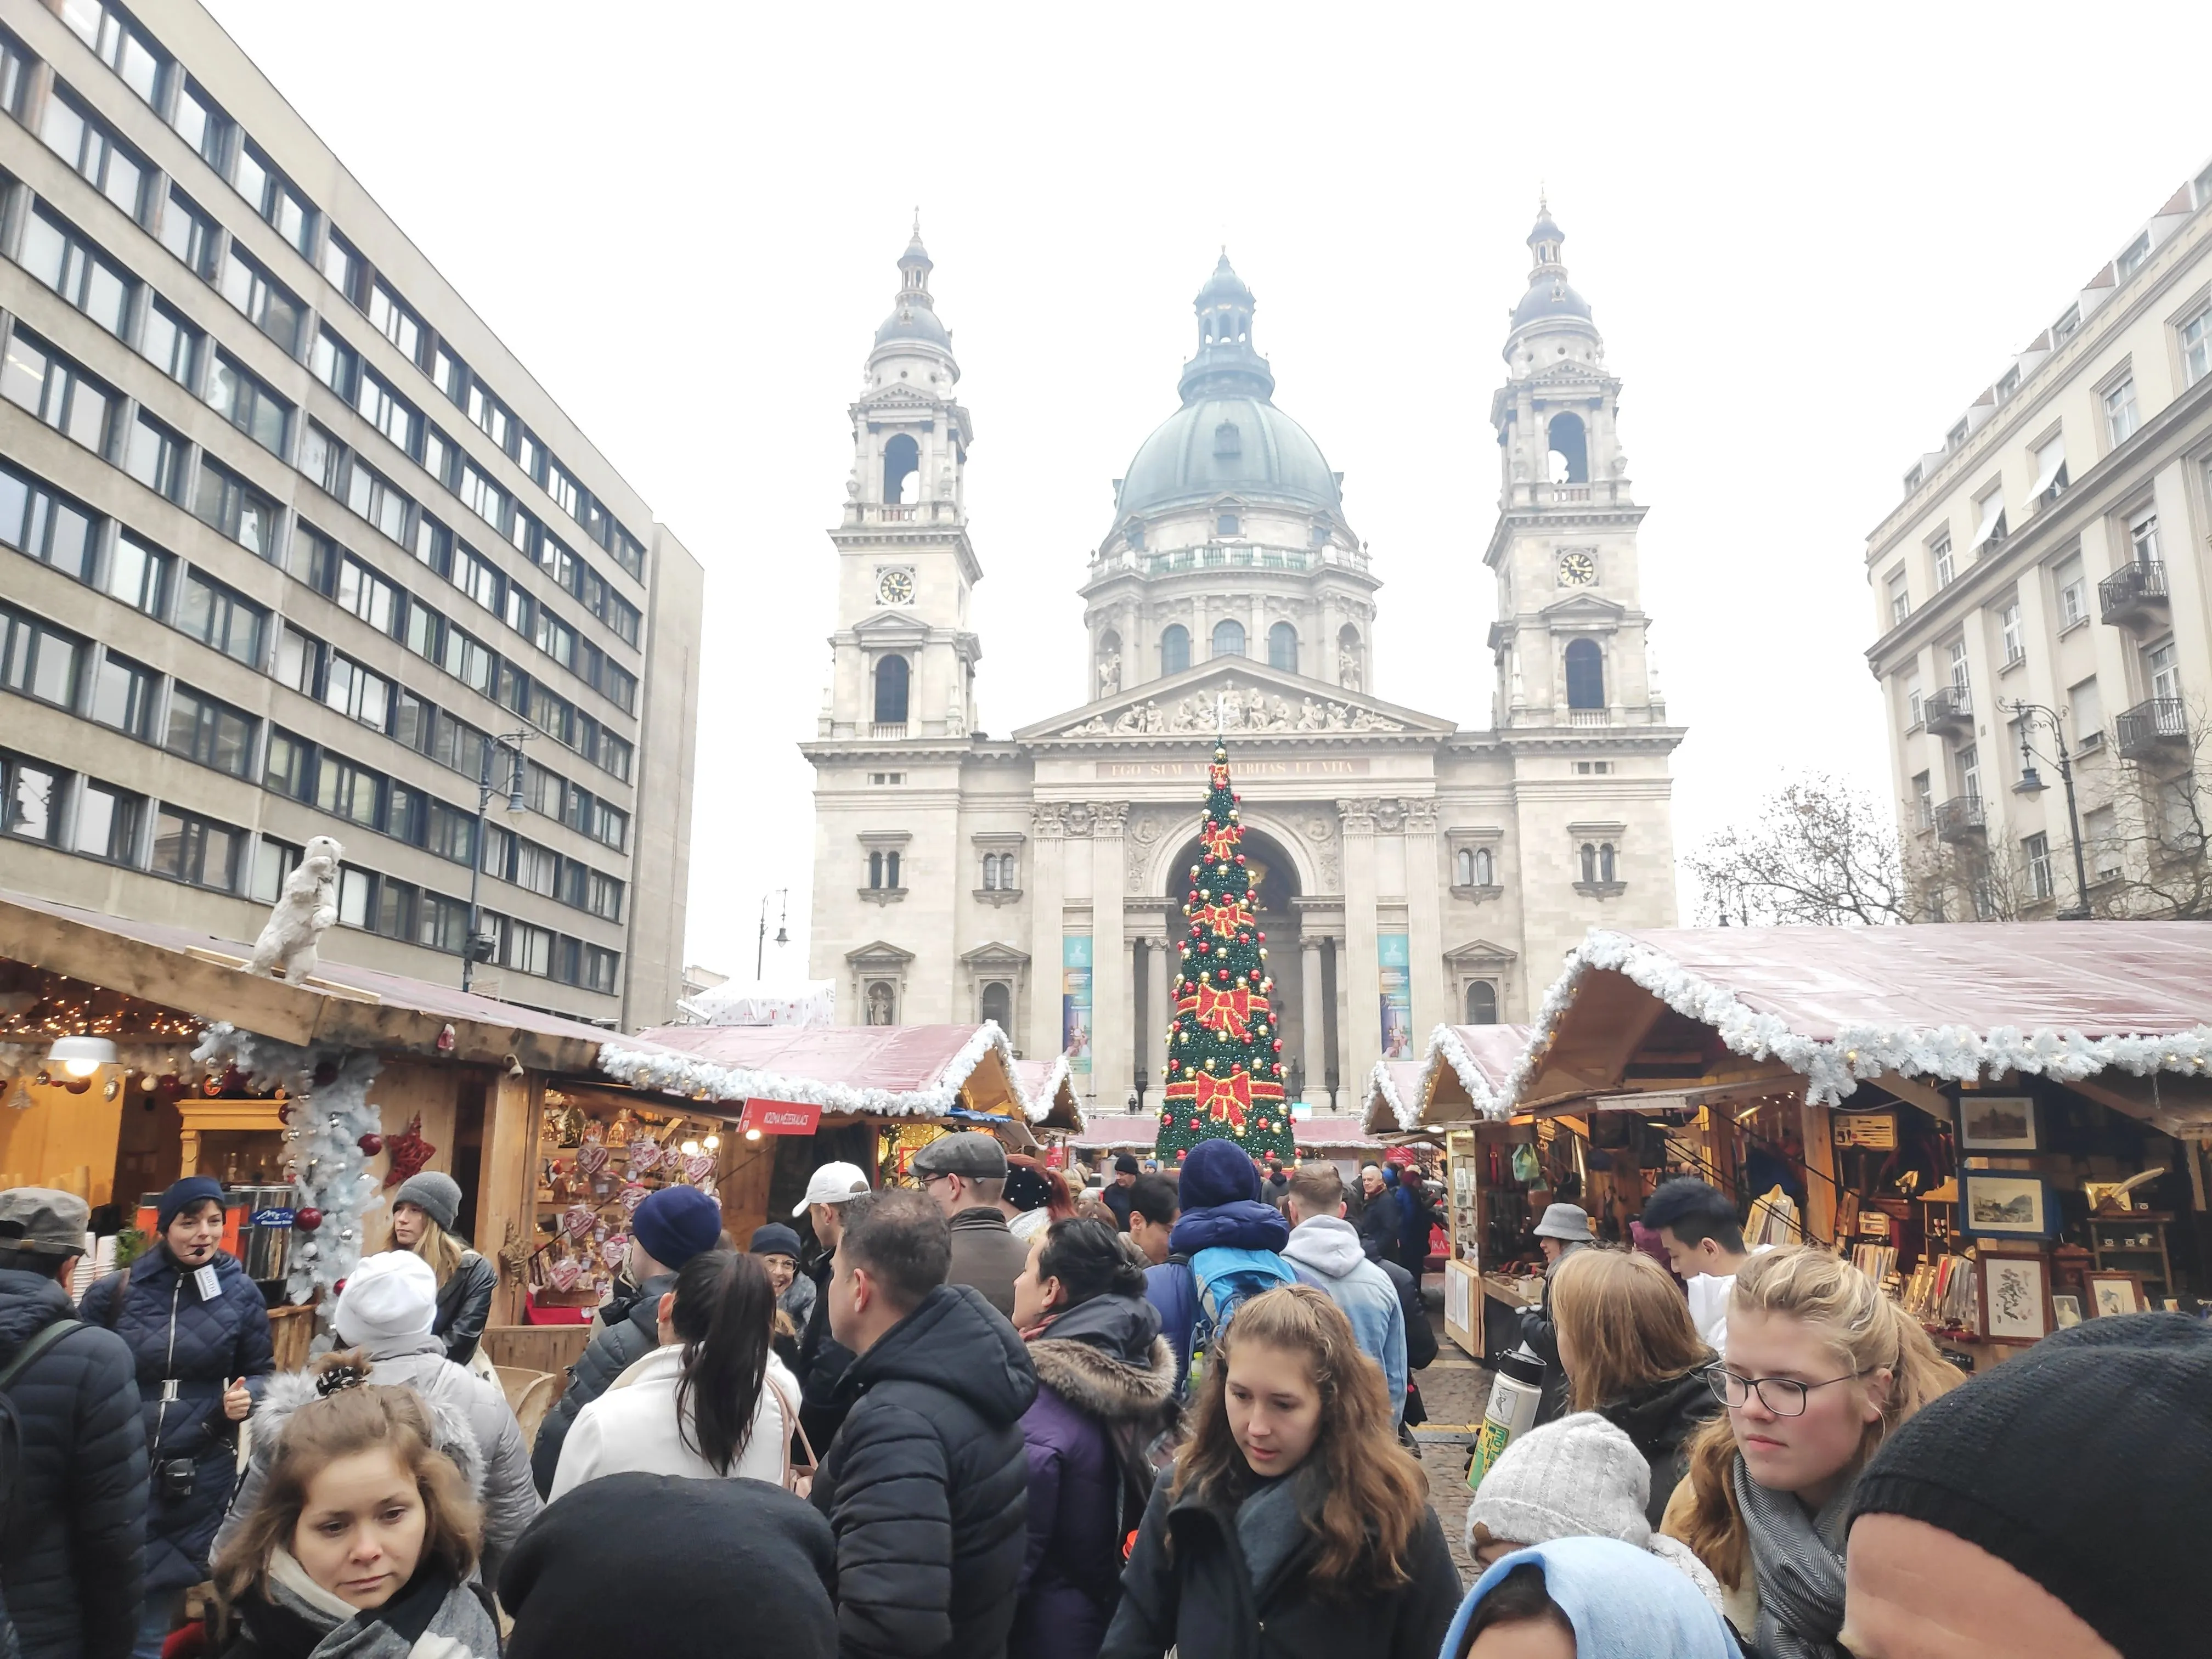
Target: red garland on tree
x,y
1224,1077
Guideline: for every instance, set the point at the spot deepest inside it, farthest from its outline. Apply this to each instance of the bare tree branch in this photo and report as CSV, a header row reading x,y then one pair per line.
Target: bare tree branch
x,y
1820,851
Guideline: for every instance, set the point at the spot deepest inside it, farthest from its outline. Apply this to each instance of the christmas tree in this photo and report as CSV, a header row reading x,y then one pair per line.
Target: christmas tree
x,y
1224,1077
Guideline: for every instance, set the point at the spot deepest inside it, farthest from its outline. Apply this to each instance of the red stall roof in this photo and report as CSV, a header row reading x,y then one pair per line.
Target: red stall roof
x,y
2064,999
882,1071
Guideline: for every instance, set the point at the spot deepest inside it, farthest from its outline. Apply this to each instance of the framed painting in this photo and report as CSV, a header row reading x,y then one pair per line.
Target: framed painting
x,y
2066,1311
2003,1204
2112,1293
2014,1294
1998,1123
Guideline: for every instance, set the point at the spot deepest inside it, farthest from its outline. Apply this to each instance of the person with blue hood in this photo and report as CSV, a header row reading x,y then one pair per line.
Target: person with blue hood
x,y
1226,1247
1587,1598
198,1329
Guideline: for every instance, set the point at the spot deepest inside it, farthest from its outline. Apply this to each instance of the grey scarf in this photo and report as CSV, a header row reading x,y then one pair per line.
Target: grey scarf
x,y
460,1627
1801,1570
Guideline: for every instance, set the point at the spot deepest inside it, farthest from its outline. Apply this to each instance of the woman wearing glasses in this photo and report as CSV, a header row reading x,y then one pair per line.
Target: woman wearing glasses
x,y
1632,1356
1821,1369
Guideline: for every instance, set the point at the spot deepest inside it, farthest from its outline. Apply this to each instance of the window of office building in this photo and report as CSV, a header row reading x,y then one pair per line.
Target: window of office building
x,y
170,344
83,142
119,43
246,404
39,659
212,732
217,616
123,695
197,850
272,196
58,256
49,527
30,796
348,791
266,303
107,820
386,410
49,386
188,233
229,504
138,575
389,315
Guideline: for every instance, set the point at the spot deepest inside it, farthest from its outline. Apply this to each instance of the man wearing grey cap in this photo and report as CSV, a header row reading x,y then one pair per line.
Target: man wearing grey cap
x,y
73,1553
964,1174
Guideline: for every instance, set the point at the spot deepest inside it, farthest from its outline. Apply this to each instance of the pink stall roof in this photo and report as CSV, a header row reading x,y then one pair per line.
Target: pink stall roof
x,y
1118,1134
1323,1131
1393,1096
2063,1000
883,1071
1048,1092
1479,1058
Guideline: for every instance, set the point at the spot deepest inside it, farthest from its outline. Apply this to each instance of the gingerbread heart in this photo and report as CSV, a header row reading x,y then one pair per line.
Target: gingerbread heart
x,y
612,1249
563,1273
698,1167
632,1196
645,1157
578,1221
590,1159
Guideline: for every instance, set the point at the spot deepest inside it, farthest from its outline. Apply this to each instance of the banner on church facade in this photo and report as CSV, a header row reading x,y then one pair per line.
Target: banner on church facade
x,y
1395,958
1075,1001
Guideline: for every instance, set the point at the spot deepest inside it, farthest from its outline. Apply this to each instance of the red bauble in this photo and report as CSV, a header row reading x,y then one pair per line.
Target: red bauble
x,y
1279,1045
306,1220
1263,939
1224,976
1193,1123
1202,947
370,1144
1240,858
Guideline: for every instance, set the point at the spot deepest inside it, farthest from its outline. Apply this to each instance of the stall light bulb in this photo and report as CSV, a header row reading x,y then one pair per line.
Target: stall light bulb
x,y
752,1134
80,1067
711,1143
690,1149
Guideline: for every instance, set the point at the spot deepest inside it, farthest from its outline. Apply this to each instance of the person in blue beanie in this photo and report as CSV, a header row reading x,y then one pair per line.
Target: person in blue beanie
x,y
670,1227
1587,1598
199,1331
1218,1189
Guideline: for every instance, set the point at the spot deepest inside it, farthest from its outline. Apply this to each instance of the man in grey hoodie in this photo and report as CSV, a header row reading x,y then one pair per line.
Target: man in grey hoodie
x,y
1324,1252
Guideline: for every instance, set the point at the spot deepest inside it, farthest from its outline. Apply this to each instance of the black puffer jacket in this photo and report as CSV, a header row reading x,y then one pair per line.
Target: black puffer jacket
x,y
73,1557
822,1362
632,1334
156,1307
926,1486
463,1305
1201,1599
1660,1418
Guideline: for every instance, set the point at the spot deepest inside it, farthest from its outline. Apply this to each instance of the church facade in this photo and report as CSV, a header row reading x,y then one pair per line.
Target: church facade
x,y
1408,870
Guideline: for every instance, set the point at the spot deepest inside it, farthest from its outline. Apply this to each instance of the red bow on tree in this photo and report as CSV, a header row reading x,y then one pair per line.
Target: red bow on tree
x,y
1219,840
1229,1097
1229,1013
1224,919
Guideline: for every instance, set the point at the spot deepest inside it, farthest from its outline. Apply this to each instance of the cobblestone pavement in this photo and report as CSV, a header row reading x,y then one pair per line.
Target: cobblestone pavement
x,y
1454,1390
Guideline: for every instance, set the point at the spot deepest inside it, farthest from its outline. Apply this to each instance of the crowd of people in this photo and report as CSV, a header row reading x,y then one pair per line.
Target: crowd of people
x,y
987,1412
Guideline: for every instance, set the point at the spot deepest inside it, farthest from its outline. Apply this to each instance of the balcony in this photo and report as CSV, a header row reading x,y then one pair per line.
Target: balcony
x,y
888,731
1960,818
1947,709
2134,594
2150,728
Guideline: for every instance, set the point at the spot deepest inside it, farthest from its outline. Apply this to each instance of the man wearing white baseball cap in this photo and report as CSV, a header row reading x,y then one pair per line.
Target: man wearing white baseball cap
x,y
822,1357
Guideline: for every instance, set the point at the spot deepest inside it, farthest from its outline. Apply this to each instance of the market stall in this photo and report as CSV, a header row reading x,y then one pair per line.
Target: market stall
x,y
2003,1124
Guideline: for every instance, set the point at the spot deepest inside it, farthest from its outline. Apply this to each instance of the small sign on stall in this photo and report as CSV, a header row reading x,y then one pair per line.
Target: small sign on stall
x,y
1877,1131
781,1117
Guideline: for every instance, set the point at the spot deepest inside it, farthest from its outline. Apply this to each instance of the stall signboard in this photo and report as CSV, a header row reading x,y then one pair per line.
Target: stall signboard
x,y
781,1117
1877,1131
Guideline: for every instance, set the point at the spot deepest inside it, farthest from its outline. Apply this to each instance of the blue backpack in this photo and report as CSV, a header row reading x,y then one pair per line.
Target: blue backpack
x,y
1226,1279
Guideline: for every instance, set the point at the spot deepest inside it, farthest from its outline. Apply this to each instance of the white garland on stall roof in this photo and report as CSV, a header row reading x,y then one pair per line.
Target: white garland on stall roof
x,y
152,1059
326,1124
1833,1069
1378,1081
1041,1107
674,1073
1445,1041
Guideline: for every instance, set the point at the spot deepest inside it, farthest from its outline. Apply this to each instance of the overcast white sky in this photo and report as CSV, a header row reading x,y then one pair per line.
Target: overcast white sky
x,y
1810,235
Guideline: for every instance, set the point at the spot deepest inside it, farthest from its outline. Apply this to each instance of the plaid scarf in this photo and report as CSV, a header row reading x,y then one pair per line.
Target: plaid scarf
x,y
432,1617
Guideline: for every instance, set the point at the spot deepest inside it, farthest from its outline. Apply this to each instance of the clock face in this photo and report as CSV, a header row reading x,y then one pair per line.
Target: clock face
x,y
1576,570
895,586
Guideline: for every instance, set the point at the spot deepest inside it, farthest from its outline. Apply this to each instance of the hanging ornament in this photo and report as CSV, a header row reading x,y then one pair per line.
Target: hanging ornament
x,y
307,1219
372,1143
446,1038
326,1074
411,1154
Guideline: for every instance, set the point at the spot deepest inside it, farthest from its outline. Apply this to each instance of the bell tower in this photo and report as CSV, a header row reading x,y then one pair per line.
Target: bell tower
x,y
903,659
1569,641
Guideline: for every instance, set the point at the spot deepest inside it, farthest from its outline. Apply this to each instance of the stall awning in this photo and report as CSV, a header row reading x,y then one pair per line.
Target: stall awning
x,y
1048,1092
1461,1079
1840,1005
1393,1096
875,1071
1120,1132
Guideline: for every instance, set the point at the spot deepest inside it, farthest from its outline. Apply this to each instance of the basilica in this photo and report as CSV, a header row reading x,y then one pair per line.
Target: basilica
x,y
1408,870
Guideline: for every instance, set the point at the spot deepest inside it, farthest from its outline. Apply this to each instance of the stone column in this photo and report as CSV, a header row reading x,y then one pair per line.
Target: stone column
x,y
1359,1026
1159,1014
1317,1054
1425,921
1046,884
1113,980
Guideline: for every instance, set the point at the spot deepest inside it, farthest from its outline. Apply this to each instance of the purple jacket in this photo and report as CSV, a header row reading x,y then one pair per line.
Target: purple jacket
x,y
1100,1367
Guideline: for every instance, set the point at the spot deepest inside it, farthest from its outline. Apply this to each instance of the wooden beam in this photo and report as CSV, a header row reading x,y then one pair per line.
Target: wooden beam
x,y
507,1208
2179,1107
1813,1124
1913,1092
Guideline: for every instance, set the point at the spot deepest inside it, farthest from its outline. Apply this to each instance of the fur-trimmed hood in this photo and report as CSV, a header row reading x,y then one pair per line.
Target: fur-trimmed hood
x,y
1106,1357
451,1431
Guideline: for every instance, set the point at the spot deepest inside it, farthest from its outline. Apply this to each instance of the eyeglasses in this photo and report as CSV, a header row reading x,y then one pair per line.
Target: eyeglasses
x,y
1784,1396
923,1181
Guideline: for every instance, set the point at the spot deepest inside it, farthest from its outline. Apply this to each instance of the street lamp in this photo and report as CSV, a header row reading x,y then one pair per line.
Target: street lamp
x,y
478,948
1144,1082
783,934
2031,783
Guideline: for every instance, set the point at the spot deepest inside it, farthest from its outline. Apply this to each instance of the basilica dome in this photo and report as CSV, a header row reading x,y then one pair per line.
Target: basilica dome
x,y
1228,438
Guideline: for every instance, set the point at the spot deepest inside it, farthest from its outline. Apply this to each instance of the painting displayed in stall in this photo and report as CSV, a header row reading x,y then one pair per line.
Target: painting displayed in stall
x,y
1999,1204
1997,1123
2112,1293
2015,1298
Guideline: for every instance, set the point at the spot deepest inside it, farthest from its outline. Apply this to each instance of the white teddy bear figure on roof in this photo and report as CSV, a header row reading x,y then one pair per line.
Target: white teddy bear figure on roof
x,y
308,904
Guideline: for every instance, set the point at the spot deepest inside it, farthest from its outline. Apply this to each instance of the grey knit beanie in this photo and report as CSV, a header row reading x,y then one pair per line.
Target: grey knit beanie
x,y
1577,1478
438,1196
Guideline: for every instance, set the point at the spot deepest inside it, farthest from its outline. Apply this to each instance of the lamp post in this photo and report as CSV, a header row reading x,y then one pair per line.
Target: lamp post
x,y
512,742
783,934
2031,783
1144,1082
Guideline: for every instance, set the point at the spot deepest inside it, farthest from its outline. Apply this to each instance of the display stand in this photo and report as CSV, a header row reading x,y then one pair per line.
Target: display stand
x,y
2132,1242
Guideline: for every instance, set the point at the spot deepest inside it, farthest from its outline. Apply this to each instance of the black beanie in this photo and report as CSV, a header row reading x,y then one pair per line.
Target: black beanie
x,y
2086,1465
678,1568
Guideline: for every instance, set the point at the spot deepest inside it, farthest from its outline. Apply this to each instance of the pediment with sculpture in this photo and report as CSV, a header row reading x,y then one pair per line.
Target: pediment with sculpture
x,y
1244,700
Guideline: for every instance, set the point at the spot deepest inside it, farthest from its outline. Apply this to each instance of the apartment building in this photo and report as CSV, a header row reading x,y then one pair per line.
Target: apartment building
x,y
294,547
2043,594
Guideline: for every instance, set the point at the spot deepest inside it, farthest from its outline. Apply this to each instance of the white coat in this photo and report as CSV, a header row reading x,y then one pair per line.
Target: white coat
x,y
633,1427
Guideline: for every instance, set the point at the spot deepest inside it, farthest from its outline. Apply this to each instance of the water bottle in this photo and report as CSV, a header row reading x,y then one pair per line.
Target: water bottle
x,y
1513,1397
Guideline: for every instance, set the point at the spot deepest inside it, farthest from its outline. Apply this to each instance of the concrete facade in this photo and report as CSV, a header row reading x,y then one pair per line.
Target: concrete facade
x,y
2045,579
1409,872
293,540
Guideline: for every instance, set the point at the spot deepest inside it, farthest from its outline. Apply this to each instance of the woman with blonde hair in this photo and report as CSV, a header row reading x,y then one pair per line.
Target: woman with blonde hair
x,y
1631,1355
1292,1509
361,1542
424,1213
1821,1370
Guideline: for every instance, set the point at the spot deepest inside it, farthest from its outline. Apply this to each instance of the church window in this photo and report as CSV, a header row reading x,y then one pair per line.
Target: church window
x,y
901,470
891,675
883,870
1464,871
1484,867
1605,866
1589,861
1228,441
1229,638
1482,1003
1174,649
1585,675
1283,647
1569,449
1134,535
1226,524
998,873
998,1005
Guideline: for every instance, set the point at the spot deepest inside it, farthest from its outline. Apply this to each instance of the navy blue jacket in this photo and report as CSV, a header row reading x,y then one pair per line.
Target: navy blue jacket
x,y
172,1334
1240,1225
72,1557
